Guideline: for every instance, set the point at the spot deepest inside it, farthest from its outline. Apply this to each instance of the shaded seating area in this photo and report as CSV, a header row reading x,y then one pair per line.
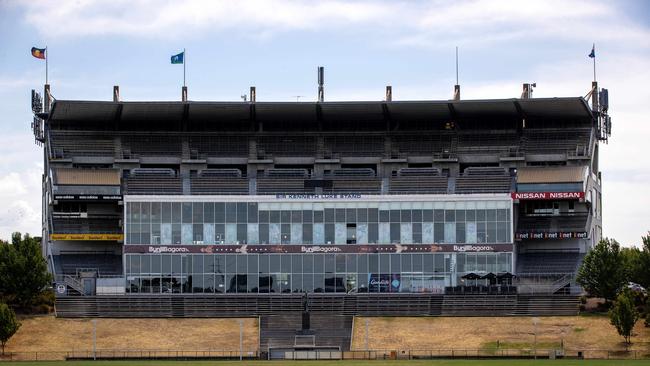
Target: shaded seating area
x,y
152,145
218,181
547,262
484,180
571,141
353,180
281,181
106,264
418,180
153,181
66,144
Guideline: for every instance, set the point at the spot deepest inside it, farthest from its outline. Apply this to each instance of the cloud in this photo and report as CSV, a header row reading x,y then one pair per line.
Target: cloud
x,y
405,23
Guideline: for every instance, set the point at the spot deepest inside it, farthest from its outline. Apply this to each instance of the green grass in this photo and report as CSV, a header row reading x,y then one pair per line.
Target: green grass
x,y
341,363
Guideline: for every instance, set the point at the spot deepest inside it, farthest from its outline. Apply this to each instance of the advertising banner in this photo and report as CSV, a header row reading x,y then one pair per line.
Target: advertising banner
x,y
384,282
551,235
104,237
318,249
527,196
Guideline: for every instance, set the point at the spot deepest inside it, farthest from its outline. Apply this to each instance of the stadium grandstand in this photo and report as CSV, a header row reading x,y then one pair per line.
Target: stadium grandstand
x,y
309,213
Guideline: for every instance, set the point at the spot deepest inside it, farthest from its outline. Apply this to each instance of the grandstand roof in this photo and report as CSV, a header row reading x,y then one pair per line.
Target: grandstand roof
x,y
70,110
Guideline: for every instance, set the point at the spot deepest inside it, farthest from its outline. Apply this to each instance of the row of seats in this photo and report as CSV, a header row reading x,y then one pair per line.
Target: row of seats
x,y
576,223
548,262
76,225
66,144
107,264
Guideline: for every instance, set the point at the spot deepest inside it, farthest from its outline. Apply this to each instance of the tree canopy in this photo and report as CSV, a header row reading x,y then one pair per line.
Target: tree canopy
x,y
23,270
624,316
603,272
8,325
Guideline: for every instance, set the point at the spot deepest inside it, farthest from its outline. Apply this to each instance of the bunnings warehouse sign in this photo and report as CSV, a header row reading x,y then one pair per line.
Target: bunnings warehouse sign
x,y
105,237
522,196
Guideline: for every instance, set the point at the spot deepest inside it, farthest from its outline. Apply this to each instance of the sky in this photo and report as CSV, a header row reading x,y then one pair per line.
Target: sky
x,y
277,45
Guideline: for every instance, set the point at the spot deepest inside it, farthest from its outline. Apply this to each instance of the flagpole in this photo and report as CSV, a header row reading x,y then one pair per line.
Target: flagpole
x,y
47,56
594,48
184,62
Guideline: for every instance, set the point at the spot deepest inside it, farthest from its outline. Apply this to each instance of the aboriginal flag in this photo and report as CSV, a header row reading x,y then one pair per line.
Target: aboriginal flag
x,y
38,52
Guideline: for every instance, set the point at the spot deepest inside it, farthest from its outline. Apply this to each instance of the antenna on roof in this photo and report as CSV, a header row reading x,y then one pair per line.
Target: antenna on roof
x,y
321,82
389,93
457,86
253,94
116,93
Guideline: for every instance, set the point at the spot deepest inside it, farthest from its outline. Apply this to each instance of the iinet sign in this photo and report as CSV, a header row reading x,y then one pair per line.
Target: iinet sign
x,y
548,195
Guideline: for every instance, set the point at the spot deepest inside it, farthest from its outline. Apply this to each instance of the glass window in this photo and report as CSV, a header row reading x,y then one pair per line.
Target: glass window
x,y
176,212
252,212
285,216
384,216
417,216
220,233
274,217
264,233
406,216
439,215
460,232
394,215
373,233
329,234
417,233
307,216
450,215
362,215
242,215
470,215
438,232
166,212
318,216
242,233
264,216
340,215
395,233
285,233
307,233
427,215
296,217
231,212
197,212
155,212
219,212
351,215
373,215
187,212
330,263
208,212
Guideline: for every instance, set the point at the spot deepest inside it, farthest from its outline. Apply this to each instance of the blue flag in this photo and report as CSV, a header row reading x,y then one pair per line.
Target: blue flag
x,y
178,59
593,52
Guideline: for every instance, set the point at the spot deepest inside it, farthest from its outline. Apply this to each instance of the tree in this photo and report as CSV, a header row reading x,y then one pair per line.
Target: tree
x,y
23,270
623,316
8,325
641,272
602,272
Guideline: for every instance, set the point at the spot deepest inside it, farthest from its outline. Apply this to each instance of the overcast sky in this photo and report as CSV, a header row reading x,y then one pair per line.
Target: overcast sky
x,y
364,45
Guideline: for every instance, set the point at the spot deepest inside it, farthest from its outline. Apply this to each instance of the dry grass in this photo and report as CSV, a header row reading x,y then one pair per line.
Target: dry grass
x,y
50,334
578,332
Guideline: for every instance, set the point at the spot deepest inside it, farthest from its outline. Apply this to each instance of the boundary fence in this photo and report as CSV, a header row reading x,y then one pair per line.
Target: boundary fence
x,y
109,354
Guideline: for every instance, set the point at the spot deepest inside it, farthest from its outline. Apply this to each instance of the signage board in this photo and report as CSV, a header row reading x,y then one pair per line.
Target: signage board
x,y
93,237
526,196
551,235
317,249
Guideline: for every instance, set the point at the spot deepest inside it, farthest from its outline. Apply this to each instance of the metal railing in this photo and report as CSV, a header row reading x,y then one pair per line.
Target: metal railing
x,y
381,354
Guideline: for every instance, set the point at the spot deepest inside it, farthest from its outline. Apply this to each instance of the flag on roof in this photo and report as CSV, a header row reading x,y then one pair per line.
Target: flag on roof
x,y
593,52
178,59
38,52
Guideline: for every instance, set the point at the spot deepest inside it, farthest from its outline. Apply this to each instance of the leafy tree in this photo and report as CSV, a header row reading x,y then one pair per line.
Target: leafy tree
x,y
623,316
602,272
641,269
23,270
8,325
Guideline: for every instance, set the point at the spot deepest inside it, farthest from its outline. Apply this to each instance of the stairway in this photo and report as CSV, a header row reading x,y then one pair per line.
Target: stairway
x,y
281,330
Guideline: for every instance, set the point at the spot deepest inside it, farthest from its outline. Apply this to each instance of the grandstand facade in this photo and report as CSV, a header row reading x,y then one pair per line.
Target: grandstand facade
x,y
146,199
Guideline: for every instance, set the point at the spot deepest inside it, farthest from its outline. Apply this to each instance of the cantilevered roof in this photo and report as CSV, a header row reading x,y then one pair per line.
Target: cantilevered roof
x,y
565,174
560,108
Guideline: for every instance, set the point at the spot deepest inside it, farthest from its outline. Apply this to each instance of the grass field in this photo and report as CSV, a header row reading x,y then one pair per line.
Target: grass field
x,y
342,363
431,333
49,334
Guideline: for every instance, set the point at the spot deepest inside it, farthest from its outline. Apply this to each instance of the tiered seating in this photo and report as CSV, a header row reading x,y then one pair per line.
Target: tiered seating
x,y
153,181
356,145
75,225
219,146
280,181
287,145
66,144
501,143
353,180
556,141
152,145
439,145
418,180
107,264
483,180
479,305
552,223
547,262
547,305
218,181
